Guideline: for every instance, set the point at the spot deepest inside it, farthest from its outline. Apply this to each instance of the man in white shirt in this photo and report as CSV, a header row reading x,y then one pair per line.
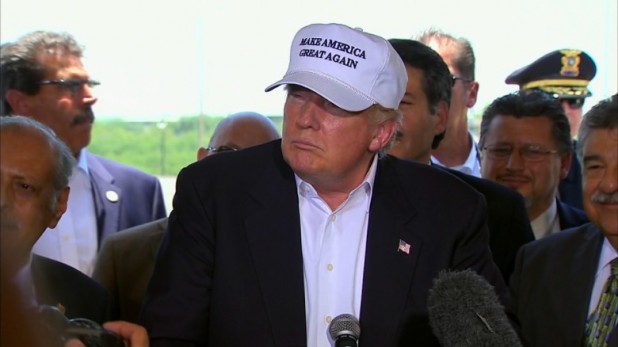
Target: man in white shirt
x,y
458,150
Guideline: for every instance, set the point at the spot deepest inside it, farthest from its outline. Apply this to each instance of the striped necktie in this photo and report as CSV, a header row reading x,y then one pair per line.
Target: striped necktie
x,y
603,319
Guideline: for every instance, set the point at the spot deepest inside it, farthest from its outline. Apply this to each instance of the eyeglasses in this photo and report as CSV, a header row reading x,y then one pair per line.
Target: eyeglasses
x,y
457,78
574,103
73,85
530,153
221,149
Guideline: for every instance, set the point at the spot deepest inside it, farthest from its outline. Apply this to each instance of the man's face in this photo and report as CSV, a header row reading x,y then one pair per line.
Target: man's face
x,y
27,208
464,92
324,143
600,181
68,113
419,125
537,180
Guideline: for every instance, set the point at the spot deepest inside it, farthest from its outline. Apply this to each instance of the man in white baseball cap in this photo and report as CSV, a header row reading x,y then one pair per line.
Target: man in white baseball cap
x,y
269,245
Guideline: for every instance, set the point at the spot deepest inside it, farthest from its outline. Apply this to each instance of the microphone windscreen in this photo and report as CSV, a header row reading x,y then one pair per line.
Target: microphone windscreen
x,y
464,311
344,325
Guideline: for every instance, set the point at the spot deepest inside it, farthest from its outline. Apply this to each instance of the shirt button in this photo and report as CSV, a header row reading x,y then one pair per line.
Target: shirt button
x,y
328,319
330,267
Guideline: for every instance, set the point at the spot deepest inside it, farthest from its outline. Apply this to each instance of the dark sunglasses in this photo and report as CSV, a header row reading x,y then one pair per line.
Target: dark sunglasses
x,y
71,84
574,103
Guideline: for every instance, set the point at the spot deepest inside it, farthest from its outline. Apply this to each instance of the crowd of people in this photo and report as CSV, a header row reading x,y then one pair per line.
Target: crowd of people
x,y
374,188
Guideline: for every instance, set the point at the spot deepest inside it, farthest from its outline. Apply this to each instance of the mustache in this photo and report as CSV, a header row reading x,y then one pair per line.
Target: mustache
x,y
87,116
605,198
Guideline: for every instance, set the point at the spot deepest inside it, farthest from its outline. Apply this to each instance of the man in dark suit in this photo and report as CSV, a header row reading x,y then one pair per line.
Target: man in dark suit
x,y
563,74
526,146
425,111
43,78
266,246
560,281
126,259
35,167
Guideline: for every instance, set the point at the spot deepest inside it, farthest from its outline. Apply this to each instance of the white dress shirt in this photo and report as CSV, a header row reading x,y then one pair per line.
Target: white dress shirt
x,y
547,222
333,245
472,165
74,241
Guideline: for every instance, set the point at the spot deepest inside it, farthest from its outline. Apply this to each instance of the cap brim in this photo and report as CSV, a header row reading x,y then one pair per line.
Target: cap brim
x,y
332,90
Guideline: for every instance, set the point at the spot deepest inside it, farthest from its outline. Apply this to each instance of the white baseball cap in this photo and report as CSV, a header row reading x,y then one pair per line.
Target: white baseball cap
x,y
350,68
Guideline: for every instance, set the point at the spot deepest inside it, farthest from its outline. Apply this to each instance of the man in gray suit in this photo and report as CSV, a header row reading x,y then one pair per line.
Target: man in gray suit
x,y
126,259
43,78
560,281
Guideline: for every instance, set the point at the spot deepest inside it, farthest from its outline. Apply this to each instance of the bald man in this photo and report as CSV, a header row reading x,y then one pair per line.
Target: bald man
x,y
126,260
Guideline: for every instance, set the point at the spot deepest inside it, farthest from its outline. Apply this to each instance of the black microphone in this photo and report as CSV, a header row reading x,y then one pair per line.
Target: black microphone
x,y
464,311
344,330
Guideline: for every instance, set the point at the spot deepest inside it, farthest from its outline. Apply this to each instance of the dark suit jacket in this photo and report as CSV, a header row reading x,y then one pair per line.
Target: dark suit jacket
x,y
570,187
140,197
507,219
569,216
552,284
124,266
57,283
230,268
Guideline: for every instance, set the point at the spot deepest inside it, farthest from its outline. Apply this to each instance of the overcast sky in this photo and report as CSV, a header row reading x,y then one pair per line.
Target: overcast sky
x,y
165,59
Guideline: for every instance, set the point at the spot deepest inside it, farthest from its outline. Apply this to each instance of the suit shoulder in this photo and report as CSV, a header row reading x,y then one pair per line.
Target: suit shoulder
x,y
140,232
54,270
414,174
118,169
565,238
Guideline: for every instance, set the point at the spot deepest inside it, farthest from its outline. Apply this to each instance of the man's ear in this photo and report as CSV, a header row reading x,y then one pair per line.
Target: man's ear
x,y
61,207
472,94
385,131
18,101
202,153
441,118
565,164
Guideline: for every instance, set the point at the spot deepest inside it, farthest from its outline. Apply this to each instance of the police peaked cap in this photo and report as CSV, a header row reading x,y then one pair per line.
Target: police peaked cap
x,y
564,73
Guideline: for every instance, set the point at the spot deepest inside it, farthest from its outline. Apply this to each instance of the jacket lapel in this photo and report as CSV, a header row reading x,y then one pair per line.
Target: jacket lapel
x,y
106,197
273,232
386,265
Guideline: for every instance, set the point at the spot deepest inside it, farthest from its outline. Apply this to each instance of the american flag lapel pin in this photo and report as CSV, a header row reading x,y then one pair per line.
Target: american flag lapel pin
x,y
403,247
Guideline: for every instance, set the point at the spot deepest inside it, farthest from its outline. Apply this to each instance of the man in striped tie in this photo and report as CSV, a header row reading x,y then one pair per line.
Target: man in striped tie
x,y
565,286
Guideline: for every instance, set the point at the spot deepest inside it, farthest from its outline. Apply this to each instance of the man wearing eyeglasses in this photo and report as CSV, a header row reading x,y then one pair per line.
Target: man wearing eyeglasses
x,y
458,150
564,74
526,145
43,78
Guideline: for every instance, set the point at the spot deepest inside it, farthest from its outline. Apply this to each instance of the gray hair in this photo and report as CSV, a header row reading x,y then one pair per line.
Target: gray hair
x,y
603,115
20,68
64,158
464,59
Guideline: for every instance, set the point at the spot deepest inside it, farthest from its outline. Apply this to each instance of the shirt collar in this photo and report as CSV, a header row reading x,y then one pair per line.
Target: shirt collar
x,y
305,188
545,223
82,162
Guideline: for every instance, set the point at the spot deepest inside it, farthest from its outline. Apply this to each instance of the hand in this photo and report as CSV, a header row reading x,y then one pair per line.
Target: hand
x,y
133,334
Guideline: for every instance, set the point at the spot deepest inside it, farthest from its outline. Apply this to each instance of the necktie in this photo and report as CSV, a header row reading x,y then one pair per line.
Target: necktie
x,y
603,319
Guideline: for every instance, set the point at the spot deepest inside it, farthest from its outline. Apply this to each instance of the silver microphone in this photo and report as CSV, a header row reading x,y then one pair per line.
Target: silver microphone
x,y
344,330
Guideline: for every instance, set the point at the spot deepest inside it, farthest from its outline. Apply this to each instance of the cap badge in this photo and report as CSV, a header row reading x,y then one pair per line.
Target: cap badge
x,y
570,62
